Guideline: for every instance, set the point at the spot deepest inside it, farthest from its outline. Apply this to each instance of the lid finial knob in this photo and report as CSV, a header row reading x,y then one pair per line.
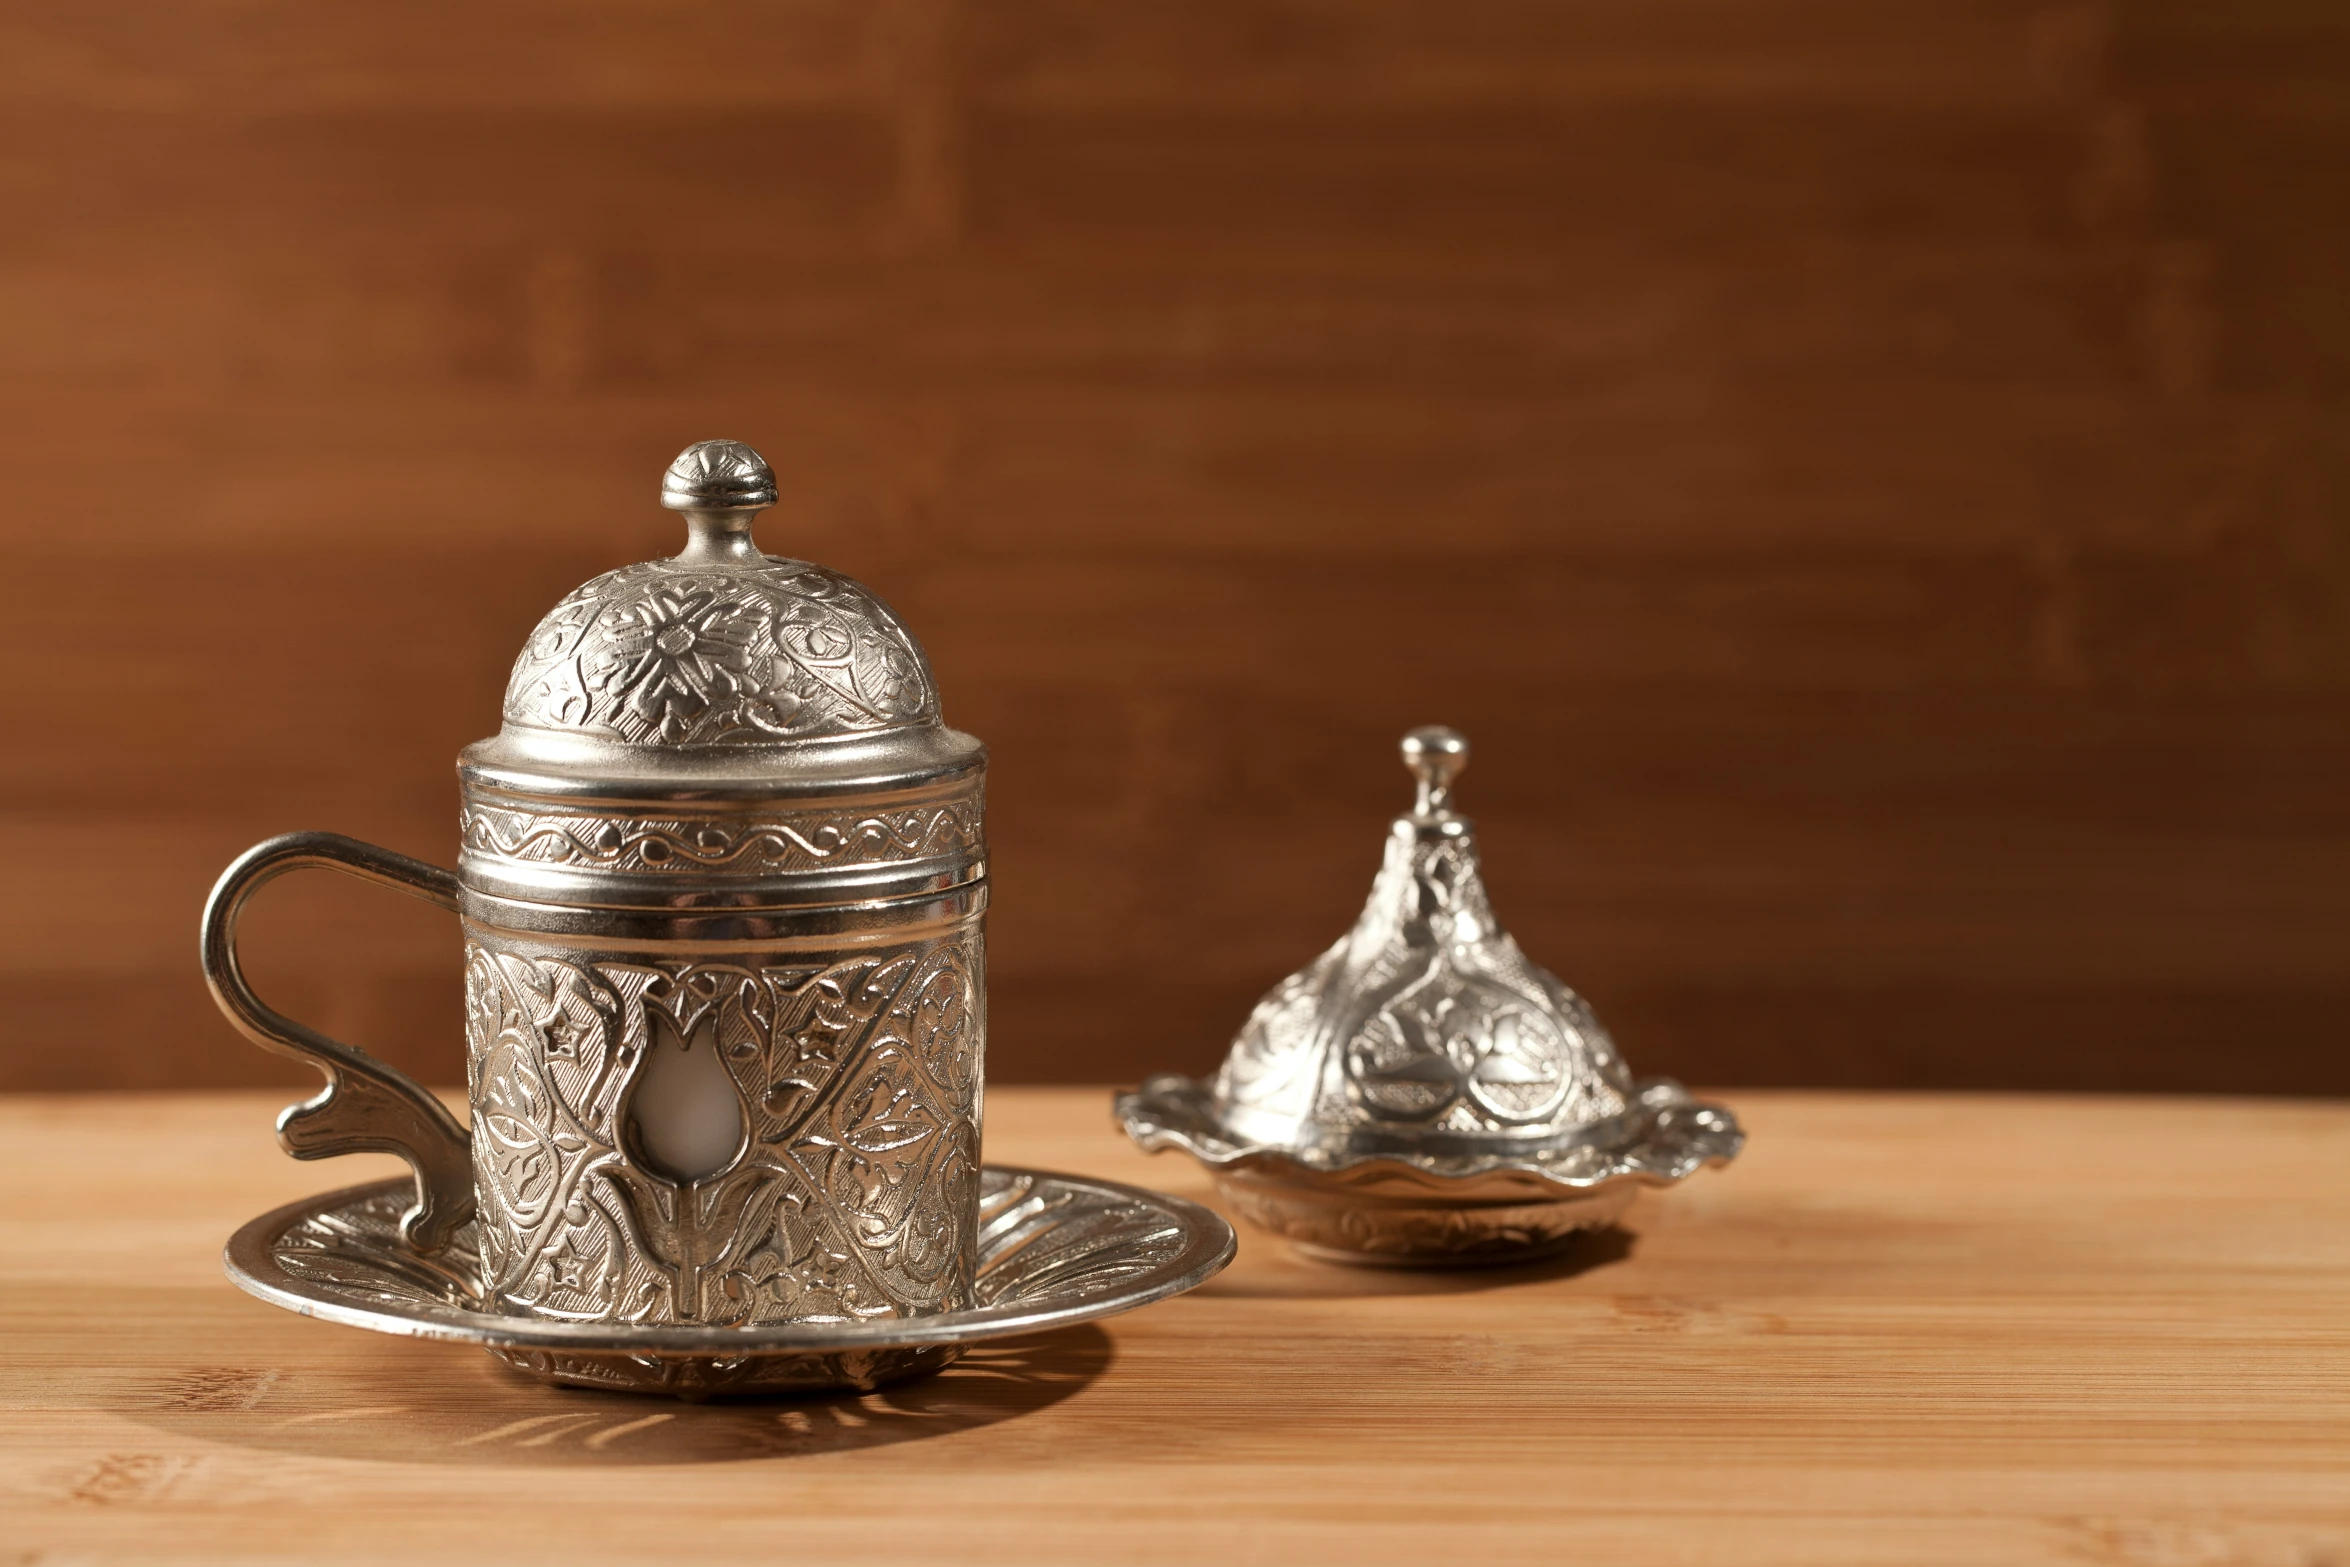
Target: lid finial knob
x,y
720,486
1436,756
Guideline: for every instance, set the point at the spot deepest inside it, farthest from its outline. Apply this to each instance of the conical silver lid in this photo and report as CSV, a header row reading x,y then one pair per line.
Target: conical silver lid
x,y
1424,1030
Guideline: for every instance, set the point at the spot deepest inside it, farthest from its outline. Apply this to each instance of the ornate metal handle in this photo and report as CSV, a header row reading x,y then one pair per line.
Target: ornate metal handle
x,y
366,1107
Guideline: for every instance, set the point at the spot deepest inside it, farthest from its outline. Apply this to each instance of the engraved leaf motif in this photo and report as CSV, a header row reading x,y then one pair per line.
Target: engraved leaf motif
x,y
890,1118
876,1137
525,1164
940,1016
888,1131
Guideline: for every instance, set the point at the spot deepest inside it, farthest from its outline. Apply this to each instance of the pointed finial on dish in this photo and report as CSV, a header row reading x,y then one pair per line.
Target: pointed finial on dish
x,y
1436,756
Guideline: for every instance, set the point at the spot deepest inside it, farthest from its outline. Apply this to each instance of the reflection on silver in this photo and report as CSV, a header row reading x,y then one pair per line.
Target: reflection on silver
x,y
1053,1250
1421,1092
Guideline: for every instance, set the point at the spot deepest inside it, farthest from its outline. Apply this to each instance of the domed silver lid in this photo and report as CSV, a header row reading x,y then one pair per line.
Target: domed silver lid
x,y
718,649
1424,1029
722,725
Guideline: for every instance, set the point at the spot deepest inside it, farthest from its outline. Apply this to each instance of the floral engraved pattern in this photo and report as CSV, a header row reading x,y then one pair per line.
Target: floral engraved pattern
x,y
773,842
855,1193
669,653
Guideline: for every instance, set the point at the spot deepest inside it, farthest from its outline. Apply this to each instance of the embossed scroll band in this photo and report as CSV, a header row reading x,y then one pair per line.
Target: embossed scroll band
x,y
771,842
851,1190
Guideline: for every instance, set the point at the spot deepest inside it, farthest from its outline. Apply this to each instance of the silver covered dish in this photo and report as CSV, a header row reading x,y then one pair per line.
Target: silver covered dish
x,y
1422,1092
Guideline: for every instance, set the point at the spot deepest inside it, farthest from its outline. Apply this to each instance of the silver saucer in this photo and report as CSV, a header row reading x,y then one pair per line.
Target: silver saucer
x,y
1053,1250
1421,1205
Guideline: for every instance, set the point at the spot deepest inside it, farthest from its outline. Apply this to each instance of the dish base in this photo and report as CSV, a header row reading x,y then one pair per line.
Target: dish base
x,y
1345,1226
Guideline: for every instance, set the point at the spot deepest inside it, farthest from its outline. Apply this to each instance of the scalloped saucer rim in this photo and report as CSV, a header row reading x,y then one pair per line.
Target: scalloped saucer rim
x,y
1207,1245
1170,1110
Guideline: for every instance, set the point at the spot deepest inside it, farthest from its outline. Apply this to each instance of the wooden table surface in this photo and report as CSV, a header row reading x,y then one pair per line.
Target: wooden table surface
x,y
1901,1329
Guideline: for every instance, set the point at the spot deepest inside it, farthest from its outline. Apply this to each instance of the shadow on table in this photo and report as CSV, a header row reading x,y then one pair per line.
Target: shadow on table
x,y
1294,1276
441,1408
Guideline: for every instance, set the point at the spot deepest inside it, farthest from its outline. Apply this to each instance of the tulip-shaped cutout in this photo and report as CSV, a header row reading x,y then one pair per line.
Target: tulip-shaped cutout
x,y
685,1115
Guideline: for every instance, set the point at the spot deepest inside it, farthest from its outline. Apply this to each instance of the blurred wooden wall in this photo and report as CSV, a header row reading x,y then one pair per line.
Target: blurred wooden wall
x,y
1868,475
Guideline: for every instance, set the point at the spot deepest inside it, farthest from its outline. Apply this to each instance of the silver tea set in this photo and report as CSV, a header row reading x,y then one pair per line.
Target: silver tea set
x,y
723,884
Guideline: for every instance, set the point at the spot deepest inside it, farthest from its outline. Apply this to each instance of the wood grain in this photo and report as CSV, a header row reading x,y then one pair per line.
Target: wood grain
x,y
1901,1329
1869,478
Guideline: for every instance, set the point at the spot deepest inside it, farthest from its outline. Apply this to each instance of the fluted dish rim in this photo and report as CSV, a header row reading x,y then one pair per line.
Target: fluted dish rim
x,y
1674,1135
